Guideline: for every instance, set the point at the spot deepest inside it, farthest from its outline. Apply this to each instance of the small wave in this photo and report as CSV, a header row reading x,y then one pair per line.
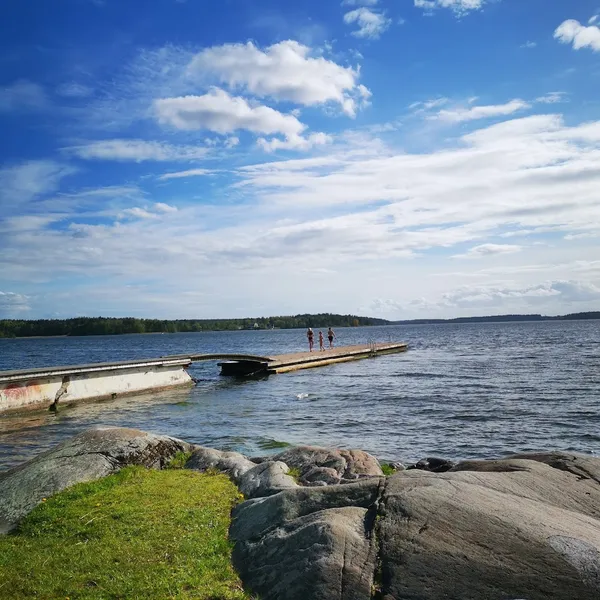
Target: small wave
x,y
302,396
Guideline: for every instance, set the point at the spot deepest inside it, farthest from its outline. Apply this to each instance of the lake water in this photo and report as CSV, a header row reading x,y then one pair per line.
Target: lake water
x,y
461,391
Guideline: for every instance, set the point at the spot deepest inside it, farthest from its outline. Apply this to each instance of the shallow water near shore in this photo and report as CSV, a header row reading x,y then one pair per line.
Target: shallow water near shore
x,y
461,391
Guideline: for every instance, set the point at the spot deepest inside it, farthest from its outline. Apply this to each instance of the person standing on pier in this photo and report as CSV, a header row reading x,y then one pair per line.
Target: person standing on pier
x,y
330,336
310,335
321,346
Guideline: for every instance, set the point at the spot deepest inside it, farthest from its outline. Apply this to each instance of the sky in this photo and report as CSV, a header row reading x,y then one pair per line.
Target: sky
x,y
232,158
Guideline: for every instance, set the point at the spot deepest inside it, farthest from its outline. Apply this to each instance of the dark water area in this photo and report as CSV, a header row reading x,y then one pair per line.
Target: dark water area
x,y
461,391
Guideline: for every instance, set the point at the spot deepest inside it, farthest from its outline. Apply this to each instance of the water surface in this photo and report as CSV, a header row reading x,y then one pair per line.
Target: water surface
x,y
461,391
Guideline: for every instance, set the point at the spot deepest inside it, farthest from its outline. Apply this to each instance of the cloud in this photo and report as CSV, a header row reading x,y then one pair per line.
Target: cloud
x,y
553,98
153,212
371,24
390,217
21,96
485,300
568,291
580,36
484,250
140,213
529,44
460,7
285,71
593,19
296,142
459,115
188,173
359,2
27,181
135,150
164,208
74,90
11,304
427,105
219,112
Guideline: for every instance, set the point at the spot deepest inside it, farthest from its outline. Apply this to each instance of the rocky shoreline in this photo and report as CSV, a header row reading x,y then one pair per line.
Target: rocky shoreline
x,y
322,523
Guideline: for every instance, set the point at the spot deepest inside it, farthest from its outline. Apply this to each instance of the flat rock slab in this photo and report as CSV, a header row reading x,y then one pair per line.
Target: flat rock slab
x,y
90,455
503,529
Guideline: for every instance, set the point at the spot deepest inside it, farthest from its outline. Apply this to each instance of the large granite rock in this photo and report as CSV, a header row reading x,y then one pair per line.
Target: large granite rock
x,y
308,543
232,463
525,527
503,529
328,466
253,480
90,455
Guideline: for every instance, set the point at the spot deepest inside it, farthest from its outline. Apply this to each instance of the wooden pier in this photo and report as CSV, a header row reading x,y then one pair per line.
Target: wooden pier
x,y
307,360
46,387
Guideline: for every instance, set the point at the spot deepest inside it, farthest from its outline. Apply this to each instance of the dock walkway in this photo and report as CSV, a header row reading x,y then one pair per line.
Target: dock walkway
x,y
45,387
309,360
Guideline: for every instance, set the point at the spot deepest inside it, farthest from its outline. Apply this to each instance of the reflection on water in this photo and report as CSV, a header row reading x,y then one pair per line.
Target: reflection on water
x,y
464,390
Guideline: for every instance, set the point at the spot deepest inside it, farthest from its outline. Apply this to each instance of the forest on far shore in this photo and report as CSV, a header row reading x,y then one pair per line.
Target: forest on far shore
x,y
115,326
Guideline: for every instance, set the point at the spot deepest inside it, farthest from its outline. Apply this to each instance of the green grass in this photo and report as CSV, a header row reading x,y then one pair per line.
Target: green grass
x,y
294,472
387,469
179,460
137,534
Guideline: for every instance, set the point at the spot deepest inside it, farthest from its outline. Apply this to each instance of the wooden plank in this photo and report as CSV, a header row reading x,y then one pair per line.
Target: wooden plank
x,y
318,358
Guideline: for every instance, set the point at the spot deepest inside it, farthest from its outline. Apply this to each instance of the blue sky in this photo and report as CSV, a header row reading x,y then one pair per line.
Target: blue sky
x,y
398,158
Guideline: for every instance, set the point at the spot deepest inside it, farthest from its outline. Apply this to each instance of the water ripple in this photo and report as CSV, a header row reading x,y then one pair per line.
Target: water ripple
x,y
462,391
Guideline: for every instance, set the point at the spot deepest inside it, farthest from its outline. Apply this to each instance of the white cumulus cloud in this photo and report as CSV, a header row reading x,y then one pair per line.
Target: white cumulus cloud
x,y
458,6
580,36
370,24
219,112
284,71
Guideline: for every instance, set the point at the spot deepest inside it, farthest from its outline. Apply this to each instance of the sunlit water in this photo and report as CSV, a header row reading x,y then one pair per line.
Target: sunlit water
x,y
461,391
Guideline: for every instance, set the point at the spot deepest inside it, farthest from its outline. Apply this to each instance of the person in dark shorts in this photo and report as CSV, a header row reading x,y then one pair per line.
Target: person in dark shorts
x,y
330,336
321,346
310,335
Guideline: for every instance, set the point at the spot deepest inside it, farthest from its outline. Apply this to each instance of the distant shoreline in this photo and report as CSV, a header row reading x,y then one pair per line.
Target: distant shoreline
x,y
582,316
91,326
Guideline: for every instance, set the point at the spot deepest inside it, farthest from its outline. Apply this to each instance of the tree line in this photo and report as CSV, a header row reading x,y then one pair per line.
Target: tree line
x,y
116,326
503,319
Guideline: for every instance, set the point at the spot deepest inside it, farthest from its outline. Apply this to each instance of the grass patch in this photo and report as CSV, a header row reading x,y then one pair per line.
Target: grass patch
x,y
179,460
136,534
294,473
387,469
